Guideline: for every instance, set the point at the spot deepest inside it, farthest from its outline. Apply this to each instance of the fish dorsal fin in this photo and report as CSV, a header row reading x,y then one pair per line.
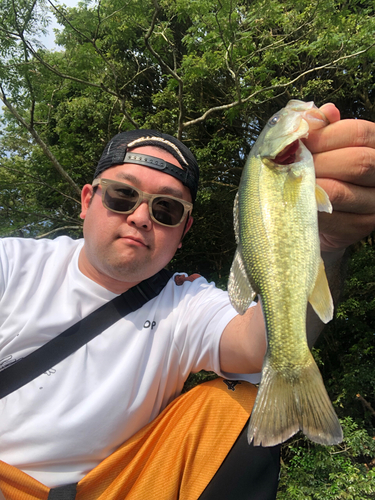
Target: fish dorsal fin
x,y
236,223
321,298
322,200
240,291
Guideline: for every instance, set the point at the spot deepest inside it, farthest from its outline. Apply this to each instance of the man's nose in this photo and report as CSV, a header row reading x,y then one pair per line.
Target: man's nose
x,y
141,217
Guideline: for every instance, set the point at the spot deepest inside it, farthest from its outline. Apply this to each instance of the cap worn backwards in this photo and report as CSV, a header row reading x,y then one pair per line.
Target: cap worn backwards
x,y
116,153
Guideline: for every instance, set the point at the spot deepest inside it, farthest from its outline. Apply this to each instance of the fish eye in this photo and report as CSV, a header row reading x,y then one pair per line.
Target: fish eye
x,y
275,119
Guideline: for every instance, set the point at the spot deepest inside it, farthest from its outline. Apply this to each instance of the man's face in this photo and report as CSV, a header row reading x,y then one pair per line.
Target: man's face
x,y
122,250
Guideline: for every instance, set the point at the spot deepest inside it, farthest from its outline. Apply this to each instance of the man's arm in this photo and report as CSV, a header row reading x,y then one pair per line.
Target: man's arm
x,y
243,343
344,158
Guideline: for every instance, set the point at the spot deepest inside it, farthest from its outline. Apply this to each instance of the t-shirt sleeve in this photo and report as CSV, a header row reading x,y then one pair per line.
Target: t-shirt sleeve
x,y
204,313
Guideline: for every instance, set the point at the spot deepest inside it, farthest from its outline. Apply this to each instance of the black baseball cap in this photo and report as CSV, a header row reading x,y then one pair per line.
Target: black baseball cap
x,y
117,152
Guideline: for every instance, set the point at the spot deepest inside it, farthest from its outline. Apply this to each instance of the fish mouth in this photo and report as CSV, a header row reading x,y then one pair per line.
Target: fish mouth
x,y
288,155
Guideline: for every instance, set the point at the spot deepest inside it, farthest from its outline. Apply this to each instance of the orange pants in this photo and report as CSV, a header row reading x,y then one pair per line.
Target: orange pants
x,y
173,457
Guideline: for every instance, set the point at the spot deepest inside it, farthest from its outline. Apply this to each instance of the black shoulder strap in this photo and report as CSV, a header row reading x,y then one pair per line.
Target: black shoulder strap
x,y
69,341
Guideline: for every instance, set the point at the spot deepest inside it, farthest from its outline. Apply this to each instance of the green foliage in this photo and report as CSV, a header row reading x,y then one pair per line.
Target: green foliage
x,y
209,72
315,472
348,347
346,359
198,378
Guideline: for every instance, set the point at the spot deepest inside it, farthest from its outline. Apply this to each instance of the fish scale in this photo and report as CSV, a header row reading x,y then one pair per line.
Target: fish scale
x,y
278,258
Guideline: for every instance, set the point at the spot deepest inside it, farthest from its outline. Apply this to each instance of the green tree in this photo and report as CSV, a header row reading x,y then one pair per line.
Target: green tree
x,y
316,472
209,72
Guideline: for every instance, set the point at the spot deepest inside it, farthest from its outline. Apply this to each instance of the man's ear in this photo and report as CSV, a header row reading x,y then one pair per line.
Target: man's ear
x,y
86,196
188,225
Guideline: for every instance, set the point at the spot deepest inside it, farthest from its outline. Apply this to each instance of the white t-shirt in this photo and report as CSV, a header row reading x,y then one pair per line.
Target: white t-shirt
x,y
65,422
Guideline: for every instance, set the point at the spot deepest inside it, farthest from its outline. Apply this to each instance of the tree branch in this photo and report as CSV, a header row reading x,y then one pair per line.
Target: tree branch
x,y
67,77
366,403
40,143
125,113
152,50
36,180
89,40
57,229
224,107
167,68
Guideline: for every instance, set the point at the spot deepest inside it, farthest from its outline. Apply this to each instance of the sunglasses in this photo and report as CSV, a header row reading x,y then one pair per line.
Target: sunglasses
x,y
124,199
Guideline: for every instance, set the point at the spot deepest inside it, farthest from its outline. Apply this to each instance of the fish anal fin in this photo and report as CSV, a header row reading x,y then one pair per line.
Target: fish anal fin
x,y
321,298
286,404
322,200
240,291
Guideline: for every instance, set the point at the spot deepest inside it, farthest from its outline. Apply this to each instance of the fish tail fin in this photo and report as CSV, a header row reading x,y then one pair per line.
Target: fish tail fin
x,y
284,406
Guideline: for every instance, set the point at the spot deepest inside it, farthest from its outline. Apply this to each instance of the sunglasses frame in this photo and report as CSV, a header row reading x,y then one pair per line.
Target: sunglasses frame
x,y
142,196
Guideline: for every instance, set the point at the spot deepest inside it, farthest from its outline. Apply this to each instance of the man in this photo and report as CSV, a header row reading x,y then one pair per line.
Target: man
x,y
106,417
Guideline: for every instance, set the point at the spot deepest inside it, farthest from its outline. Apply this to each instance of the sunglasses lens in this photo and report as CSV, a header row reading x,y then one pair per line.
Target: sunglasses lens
x,y
167,211
120,198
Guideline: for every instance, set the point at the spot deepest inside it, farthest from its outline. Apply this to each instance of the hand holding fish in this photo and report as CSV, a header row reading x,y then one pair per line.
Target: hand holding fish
x,y
344,158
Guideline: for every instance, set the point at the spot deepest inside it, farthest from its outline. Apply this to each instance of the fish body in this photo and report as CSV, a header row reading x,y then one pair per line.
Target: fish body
x,y
278,258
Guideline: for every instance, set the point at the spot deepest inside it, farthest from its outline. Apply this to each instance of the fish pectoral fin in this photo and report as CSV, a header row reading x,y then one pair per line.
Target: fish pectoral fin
x,y
240,291
322,200
321,298
293,400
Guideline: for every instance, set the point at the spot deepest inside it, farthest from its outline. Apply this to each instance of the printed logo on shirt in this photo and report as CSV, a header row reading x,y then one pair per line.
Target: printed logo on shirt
x,y
149,324
7,361
50,372
10,360
231,384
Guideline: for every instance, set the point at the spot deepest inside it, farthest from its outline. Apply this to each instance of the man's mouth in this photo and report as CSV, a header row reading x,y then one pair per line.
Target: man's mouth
x,y
133,240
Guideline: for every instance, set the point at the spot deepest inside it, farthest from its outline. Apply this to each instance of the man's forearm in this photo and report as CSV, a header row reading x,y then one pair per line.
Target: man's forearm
x,y
336,267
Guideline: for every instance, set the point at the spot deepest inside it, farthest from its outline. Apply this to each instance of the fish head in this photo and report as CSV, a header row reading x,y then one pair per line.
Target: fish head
x,y
279,145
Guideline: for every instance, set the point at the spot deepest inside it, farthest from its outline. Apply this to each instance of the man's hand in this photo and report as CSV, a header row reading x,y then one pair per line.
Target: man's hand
x,y
344,157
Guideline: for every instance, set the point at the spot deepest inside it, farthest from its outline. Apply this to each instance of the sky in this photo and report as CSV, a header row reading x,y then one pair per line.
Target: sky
x,y
49,40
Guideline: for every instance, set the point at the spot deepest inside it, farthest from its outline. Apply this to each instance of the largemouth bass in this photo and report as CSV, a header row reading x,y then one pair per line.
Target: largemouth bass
x,y
278,259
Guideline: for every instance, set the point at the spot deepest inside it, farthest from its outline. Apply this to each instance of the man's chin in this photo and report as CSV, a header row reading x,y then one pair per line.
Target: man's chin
x,y
130,272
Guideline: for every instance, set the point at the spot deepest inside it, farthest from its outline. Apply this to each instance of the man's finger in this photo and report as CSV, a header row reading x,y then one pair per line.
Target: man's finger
x,y
331,112
340,229
342,134
354,165
346,197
